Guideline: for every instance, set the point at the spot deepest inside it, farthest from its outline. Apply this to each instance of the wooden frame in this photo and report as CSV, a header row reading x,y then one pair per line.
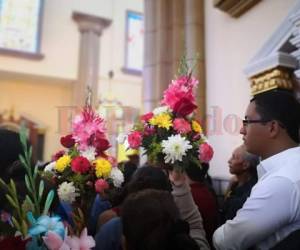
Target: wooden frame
x,y
36,55
130,69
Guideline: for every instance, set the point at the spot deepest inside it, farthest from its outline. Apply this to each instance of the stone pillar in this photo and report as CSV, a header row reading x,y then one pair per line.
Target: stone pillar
x,y
90,28
194,39
164,39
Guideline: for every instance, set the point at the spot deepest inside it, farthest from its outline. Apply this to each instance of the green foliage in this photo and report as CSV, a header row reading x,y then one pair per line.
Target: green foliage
x,y
35,191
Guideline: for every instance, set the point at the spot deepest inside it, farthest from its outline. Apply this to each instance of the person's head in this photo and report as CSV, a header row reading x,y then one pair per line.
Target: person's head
x,y
144,178
10,148
271,123
242,162
196,173
151,220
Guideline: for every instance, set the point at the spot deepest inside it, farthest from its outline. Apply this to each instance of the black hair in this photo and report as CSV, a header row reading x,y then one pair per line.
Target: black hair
x,y
143,178
281,106
151,220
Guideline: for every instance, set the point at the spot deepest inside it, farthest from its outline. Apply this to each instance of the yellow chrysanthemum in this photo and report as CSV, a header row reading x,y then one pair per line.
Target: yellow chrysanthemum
x,y
103,168
162,121
62,163
196,127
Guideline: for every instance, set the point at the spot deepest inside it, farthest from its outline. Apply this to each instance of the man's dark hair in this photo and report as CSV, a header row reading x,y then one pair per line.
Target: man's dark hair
x,y
281,106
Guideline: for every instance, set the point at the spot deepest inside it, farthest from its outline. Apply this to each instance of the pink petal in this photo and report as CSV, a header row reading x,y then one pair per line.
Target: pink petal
x,y
53,241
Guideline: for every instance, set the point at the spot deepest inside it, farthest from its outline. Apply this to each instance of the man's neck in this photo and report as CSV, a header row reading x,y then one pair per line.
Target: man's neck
x,y
276,149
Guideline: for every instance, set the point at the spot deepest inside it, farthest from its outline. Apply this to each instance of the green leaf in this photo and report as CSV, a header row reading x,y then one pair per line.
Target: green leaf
x,y
22,160
35,172
27,183
11,201
29,201
41,189
16,223
24,227
13,187
48,202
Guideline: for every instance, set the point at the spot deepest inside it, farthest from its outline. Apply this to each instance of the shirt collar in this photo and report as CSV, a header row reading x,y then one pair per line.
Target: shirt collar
x,y
276,161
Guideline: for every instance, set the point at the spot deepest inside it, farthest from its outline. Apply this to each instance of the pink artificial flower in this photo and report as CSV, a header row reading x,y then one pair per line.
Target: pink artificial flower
x,y
182,126
80,165
53,241
101,185
183,87
146,117
84,242
85,125
184,106
135,139
57,155
206,152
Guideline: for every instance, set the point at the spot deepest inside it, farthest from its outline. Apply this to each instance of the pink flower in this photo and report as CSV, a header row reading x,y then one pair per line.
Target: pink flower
x,y
85,125
57,155
84,242
80,164
67,141
181,126
101,185
146,117
184,106
54,242
206,152
135,139
183,87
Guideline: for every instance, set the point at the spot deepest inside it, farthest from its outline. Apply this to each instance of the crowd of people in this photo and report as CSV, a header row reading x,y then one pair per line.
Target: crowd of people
x,y
161,209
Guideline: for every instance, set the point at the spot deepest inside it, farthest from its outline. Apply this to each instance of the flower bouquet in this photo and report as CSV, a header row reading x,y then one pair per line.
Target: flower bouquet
x,y
83,169
171,135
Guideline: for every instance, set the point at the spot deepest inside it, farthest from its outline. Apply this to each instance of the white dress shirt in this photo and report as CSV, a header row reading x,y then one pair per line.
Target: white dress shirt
x,y
272,211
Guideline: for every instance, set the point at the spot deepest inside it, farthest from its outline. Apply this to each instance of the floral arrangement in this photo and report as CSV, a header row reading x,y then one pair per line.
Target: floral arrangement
x,y
76,175
24,230
170,134
84,168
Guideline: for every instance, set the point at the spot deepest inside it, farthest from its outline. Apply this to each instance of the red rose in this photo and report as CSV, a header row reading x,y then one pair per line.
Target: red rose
x,y
146,117
206,152
80,164
184,106
57,155
135,139
67,141
100,143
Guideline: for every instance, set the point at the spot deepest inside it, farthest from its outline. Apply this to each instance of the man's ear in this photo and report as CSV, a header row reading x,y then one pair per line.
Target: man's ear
x,y
274,128
246,165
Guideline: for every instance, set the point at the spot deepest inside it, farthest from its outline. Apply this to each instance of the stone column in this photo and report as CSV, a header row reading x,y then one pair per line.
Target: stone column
x,y
194,38
164,39
90,28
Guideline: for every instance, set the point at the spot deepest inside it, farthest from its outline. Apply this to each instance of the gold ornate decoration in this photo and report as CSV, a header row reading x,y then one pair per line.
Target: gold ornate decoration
x,y
235,8
277,78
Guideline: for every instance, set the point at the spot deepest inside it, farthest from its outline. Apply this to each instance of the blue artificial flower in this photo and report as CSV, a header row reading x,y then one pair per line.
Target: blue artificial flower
x,y
44,224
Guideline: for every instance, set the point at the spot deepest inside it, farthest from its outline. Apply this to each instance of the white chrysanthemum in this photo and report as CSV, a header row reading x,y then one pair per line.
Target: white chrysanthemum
x,y
175,147
67,192
117,177
121,138
50,167
161,109
89,153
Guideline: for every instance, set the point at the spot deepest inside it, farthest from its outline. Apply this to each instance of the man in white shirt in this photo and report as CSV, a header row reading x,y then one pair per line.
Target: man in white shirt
x,y
272,212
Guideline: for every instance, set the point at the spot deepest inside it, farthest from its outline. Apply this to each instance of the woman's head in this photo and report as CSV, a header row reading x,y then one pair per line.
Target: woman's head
x,y
150,221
